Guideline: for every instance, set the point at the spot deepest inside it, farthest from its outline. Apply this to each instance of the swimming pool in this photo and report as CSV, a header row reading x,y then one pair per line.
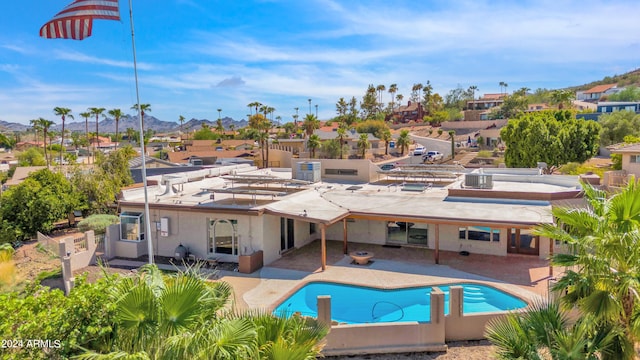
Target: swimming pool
x,y
358,304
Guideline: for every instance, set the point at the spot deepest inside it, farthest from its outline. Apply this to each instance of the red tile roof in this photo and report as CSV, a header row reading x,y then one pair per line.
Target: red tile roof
x,y
492,96
599,88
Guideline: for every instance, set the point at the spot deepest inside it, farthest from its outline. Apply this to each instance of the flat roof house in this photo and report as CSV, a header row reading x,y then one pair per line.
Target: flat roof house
x,y
233,211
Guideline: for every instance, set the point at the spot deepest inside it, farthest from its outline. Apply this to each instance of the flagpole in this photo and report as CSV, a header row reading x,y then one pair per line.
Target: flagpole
x,y
141,124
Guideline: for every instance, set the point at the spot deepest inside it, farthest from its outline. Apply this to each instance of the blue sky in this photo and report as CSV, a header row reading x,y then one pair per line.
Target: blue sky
x,y
197,56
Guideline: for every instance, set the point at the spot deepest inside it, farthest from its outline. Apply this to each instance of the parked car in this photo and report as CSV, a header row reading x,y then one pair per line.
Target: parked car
x,y
432,156
387,167
419,150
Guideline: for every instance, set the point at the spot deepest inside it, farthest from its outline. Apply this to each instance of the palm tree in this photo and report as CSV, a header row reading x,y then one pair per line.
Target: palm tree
x,y
393,89
399,98
414,92
219,113
181,121
310,124
63,113
35,124
545,329
144,108
45,125
380,88
502,85
86,116
261,125
292,337
603,267
179,316
403,141
97,112
363,144
562,98
219,127
313,143
385,135
131,133
342,135
117,114
473,89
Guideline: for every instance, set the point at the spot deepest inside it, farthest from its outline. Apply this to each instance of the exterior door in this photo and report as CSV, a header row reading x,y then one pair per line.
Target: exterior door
x,y
286,234
522,241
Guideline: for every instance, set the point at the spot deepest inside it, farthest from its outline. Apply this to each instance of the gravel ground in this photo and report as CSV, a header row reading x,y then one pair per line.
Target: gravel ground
x,y
459,350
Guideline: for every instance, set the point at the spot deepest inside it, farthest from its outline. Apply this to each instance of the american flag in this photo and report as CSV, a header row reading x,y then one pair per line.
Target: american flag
x,y
76,19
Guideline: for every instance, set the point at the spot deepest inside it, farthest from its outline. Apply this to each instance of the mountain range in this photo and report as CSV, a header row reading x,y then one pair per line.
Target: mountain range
x,y
108,125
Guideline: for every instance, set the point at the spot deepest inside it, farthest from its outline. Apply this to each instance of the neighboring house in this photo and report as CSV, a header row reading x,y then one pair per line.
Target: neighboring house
x,y
150,162
595,93
232,212
295,146
102,143
21,173
24,145
611,106
166,138
376,146
209,157
487,101
411,112
537,107
630,165
584,105
208,145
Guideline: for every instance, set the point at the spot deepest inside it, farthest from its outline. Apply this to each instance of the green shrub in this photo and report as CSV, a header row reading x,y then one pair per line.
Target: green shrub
x,y
98,223
485,153
52,274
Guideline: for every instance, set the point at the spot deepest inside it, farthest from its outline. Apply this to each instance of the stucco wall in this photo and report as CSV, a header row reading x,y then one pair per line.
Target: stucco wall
x,y
450,241
190,229
270,238
361,231
631,168
281,157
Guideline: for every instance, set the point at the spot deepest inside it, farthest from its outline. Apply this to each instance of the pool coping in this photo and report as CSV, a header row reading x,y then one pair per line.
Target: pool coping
x,y
276,284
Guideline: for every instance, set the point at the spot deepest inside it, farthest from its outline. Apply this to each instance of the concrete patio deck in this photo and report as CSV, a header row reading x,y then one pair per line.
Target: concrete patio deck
x,y
525,276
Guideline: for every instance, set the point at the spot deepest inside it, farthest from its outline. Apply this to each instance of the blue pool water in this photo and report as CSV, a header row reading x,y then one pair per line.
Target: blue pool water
x,y
358,304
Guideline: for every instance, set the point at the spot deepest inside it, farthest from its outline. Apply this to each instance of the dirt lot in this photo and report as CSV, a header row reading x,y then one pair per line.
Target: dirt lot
x,y
459,350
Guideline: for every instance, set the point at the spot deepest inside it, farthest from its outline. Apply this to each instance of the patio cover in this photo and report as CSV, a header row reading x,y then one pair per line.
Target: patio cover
x,y
308,206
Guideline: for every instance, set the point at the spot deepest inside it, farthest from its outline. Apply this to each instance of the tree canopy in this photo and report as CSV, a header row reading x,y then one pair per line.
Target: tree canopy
x,y
617,125
553,137
630,93
36,204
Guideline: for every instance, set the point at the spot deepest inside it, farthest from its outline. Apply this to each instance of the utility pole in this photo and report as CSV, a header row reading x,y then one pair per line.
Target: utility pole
x,y
309,106
316,111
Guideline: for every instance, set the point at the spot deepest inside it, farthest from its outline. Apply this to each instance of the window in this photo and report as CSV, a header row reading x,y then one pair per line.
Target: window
x,y
353,172
479,233
635,159
132,226
312,228
222,237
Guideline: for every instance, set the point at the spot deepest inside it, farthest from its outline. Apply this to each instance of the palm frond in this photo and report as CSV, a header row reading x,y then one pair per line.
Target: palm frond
x,y
510,337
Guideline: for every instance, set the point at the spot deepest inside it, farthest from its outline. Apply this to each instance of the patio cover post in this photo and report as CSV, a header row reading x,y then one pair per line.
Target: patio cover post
x,y
550,256
345,249
436,254
323,246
